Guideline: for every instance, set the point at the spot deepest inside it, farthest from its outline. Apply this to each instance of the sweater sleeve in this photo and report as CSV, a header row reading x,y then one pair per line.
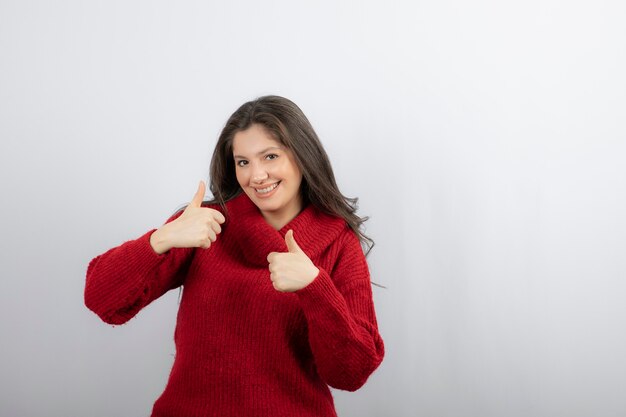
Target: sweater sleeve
x,y
125,279
343,332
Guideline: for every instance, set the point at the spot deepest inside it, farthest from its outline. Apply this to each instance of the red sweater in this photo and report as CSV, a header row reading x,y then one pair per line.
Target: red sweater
x,y
243,348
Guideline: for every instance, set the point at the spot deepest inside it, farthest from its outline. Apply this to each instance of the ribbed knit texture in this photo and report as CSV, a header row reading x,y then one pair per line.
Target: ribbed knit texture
x,y
242,348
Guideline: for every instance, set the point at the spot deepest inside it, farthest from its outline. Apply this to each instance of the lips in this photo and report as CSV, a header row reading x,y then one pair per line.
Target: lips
x,y
266,190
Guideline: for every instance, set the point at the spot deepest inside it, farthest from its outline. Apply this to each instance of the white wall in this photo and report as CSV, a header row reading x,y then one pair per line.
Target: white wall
x,y
485,139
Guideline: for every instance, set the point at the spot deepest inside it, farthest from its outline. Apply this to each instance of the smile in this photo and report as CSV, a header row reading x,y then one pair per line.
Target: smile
x,y
267,189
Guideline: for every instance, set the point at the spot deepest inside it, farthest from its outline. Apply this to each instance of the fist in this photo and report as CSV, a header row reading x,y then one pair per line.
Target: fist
x,y
196,227
293,270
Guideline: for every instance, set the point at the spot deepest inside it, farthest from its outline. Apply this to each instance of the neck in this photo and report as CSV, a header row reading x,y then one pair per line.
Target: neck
x,y
278,219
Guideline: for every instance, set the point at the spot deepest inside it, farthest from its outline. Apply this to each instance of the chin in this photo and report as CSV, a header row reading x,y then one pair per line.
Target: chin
x,y
267,206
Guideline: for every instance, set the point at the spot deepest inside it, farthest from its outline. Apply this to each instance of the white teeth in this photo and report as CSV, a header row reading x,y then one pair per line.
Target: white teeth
x,y
266,190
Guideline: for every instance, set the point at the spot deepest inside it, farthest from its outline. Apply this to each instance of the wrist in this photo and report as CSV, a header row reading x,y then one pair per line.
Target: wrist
x,y
313,274
158,241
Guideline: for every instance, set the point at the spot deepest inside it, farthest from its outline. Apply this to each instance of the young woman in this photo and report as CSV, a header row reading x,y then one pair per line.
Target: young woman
x,y
277,301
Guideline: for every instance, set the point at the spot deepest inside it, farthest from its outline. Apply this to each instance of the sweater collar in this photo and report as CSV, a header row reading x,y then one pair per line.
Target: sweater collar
x,y
313,230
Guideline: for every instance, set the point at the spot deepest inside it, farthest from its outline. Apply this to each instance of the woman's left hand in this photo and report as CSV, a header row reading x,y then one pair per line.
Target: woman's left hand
x,y
293,270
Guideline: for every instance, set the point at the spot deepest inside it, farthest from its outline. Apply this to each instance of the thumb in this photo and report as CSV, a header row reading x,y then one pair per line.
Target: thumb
x,y
199,196
291,243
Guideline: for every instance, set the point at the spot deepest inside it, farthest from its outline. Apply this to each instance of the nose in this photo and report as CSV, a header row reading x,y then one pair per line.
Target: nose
x,y
259,175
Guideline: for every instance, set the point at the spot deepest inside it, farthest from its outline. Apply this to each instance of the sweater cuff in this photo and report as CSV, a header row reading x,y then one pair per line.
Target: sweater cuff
x,y
138,257
321,299
144,249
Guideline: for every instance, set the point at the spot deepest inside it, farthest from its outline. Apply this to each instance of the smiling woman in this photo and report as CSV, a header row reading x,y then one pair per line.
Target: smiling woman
x,y
269,176
277,301
284,122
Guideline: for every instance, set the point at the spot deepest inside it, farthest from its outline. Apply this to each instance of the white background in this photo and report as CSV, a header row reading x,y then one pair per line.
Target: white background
x,y
485,139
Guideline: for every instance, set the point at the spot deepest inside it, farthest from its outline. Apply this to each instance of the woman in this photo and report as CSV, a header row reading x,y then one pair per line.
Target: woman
x,y
277,301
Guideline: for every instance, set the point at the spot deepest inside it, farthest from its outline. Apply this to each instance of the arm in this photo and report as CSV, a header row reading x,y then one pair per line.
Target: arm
x,y
125,279
343,332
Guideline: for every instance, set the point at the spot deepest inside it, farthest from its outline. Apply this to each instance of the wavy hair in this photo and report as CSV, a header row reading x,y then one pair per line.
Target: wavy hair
x,y
284,120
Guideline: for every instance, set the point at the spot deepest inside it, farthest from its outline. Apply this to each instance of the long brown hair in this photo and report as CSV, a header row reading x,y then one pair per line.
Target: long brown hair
x,y
284,120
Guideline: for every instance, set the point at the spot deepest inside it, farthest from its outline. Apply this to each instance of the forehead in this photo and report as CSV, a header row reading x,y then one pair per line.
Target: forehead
x,y
253,140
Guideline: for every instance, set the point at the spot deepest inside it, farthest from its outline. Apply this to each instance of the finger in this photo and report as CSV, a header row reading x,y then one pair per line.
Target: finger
x,y
278,286
215,227
199,196
271,256
219,217
291,242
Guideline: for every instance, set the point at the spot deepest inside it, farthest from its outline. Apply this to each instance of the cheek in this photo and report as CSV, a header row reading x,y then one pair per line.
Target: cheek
x,y
240,177
290,170
295,174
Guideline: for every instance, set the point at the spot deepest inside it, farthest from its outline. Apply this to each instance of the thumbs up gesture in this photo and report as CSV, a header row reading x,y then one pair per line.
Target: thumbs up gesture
x,y
293,270
196,227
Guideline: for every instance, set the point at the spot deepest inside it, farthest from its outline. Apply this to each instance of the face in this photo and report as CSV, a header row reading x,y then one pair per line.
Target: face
x,y
267,172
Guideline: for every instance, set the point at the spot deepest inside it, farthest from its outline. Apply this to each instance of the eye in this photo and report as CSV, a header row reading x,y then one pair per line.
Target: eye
x,y
271,156
241,163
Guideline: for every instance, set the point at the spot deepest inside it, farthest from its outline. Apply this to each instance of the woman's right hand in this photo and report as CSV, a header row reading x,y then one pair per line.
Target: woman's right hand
x,y
197,227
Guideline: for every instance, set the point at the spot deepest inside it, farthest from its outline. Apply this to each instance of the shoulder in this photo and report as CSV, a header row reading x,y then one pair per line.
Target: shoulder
x,y
349,265
350,243
214,206
205,204
344,250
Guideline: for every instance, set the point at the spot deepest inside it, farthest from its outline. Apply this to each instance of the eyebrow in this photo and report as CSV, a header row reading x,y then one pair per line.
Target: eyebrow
x,y
260,153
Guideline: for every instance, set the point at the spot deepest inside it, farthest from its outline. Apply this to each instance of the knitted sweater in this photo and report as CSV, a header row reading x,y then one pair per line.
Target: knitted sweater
x,y
243,348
